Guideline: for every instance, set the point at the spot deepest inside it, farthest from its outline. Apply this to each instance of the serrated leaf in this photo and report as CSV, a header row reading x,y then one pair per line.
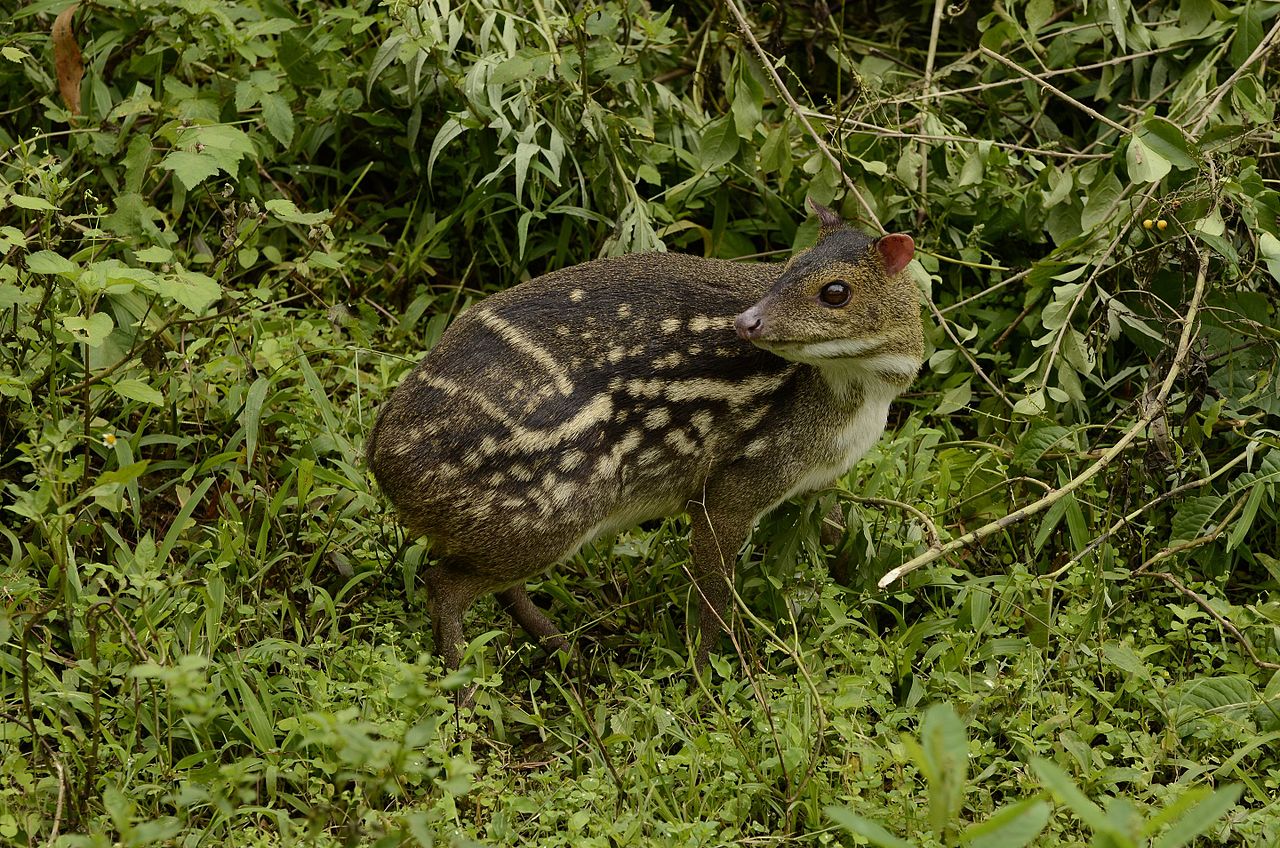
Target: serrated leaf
x,y
278,116
286,210
139,391
719,144
1011,826
190,169
48,262
93,330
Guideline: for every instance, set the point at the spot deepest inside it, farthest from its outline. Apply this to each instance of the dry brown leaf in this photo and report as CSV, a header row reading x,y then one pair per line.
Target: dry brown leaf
x,y
67,59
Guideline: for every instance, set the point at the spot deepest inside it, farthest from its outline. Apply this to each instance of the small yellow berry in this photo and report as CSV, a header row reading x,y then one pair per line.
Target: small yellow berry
x,y
109,440
1147,224
1162,224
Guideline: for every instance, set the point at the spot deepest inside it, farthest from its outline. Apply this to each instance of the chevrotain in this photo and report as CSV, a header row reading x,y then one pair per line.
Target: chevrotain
x,y
593,398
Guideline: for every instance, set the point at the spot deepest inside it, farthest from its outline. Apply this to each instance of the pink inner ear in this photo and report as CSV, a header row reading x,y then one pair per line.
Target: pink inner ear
x,y
896,250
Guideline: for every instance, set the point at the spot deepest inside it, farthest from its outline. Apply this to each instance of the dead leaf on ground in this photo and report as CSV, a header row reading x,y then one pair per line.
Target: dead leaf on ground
x,y
67,59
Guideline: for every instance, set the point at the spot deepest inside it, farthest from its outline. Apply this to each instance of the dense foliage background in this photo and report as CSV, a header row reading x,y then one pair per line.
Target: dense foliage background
x,y
227,244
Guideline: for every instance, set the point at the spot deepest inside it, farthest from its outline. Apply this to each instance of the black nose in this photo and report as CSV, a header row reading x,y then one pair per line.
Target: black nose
x,y
749,325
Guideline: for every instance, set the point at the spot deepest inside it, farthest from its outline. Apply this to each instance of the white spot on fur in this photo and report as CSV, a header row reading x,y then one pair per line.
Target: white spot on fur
x,y
577,295
670,325
657,418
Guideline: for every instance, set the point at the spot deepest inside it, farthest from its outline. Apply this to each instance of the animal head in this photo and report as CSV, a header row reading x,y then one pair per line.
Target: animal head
x,y
843,303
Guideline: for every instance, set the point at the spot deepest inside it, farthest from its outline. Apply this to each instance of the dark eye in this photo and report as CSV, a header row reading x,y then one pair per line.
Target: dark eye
x,y
835,294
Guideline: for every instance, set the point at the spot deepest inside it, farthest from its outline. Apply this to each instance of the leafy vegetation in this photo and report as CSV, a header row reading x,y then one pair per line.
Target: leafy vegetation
x,y
228,229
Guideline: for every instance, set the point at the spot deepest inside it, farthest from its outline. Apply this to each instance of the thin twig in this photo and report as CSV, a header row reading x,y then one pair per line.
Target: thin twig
x,y
928,84
1223,622
795,107
1153,411
1048,86
964,351
1263,46
930,529
953,92
1154,502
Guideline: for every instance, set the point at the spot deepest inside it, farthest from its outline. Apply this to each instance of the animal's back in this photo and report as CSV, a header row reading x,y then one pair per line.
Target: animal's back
x,y
579,402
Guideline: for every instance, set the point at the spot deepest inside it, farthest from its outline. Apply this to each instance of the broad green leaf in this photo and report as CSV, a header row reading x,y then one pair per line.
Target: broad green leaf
x,y
955,399
122,475
1124,658
193,290
1192,516
865,828
139,391
1031,405
48,262
1101,201
1011,826
1166,139
190,169
719,144
1038,14
286,210
37,204
155,253
1145,165
93,330
278,116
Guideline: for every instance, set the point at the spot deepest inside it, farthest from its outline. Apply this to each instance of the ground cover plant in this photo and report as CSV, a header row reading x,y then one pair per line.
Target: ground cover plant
x,y
228,229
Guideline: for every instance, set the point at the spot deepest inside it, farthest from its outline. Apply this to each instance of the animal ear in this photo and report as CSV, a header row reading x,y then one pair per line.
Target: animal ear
x,y
896,250
828,219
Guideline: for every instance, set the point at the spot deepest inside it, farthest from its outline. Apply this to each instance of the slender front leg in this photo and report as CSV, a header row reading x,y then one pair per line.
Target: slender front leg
x,y
718,535
450,591
832,536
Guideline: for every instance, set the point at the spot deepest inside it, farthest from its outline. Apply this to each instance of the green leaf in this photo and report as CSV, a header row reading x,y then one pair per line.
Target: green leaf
x,y
1064,789
252,416
139,391
1038,14
155,253
1103,195
1166,139
719,144
945,750
38,204
123,474
190,169
1192,516
1199,819
48,262
286,210
1011,826
93,330
1145,165
450,130
865,828
278,116
193,290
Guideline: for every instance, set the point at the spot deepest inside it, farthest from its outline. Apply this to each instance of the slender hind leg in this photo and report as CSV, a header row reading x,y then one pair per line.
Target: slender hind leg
x,y
717,538
832,535
520,606
450,592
